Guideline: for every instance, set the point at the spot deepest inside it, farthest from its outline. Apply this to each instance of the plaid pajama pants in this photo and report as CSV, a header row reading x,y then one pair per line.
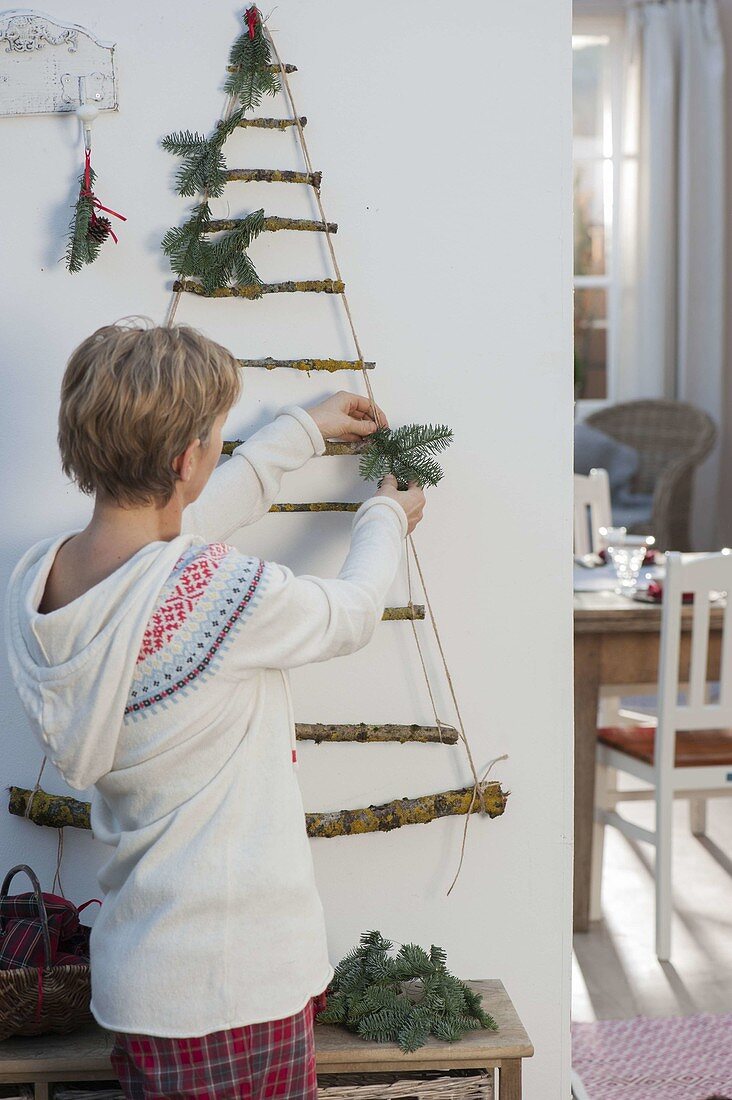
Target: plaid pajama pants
x,y
273,1060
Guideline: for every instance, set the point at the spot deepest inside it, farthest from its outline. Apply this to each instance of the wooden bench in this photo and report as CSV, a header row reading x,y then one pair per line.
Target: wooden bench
x,y
83,1055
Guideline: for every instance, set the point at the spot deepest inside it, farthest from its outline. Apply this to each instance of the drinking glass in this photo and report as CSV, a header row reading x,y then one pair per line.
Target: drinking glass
x,y
627,553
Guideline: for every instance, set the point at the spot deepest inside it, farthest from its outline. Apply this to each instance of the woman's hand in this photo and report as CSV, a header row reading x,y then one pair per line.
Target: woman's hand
x,y
347,417
412,499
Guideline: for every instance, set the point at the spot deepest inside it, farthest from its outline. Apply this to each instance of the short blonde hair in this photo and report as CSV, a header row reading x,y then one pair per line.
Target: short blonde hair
x,y
133,396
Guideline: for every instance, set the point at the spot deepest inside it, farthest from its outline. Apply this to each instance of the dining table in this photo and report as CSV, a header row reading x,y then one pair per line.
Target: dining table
x,y
616,645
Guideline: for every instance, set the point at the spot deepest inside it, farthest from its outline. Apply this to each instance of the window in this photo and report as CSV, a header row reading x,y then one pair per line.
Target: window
x,y
596,48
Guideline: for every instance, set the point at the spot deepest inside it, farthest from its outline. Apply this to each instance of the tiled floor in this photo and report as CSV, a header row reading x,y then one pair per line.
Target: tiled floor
x,y
616,973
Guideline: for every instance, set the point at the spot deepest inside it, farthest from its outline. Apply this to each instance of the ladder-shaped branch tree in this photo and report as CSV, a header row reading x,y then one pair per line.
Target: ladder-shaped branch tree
x,y
211,258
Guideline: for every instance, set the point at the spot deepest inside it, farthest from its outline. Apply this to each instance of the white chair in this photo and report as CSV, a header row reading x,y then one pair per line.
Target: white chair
x,y
688,753
591,510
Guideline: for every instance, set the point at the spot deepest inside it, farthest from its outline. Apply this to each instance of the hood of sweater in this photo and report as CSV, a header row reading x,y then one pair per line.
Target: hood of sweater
x,y
73,667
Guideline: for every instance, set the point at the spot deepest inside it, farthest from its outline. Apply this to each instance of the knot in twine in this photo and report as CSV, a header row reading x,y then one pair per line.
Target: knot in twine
x,y
480,787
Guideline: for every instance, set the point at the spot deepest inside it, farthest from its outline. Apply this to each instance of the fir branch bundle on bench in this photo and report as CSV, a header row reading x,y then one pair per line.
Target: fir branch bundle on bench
x,y
402,999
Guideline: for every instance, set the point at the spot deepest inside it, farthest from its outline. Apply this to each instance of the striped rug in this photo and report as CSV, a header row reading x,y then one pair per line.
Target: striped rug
x,y
646,1058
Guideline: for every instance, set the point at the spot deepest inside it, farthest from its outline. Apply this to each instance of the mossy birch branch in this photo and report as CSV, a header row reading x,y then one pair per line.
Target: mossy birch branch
x,y
405,811
332,449
256,290
272,123
366,732
58,811
409,612
329,365
319,506
272,175
270,68
274,223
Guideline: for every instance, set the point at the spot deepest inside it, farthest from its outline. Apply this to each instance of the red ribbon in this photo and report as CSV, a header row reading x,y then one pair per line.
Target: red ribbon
x,y
252,17
87,193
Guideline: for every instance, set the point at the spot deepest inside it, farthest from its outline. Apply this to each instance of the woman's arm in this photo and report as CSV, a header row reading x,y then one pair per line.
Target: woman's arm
x,y
241,490
297,620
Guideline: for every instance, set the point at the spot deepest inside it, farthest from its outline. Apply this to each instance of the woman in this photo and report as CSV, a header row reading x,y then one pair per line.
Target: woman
x,y
151,657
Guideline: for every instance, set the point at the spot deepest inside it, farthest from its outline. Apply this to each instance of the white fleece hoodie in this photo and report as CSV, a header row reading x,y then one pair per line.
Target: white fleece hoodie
x,y
164,688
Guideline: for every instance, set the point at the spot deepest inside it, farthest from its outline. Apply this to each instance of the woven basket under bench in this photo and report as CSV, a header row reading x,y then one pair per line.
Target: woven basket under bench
x,y
426,1085
458,1084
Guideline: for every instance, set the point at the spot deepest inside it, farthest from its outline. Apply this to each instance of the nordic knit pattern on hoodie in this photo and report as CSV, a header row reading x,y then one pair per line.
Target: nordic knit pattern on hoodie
x,y
164,688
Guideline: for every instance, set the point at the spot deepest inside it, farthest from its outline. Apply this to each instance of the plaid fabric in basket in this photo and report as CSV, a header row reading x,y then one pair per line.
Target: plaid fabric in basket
x,y
21,932
273,1060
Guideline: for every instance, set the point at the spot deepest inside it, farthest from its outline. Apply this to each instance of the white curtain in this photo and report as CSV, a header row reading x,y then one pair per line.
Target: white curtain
x,y
672,194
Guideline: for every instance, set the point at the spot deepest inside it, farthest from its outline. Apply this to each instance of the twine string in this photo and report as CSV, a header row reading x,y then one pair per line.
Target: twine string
x,y
36,788
415,632
60,846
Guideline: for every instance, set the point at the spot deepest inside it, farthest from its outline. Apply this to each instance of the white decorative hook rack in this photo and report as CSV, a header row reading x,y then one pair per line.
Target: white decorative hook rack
x,y
49,67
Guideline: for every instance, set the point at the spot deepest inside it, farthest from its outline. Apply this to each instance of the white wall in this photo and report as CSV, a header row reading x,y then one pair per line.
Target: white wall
x,y
444,137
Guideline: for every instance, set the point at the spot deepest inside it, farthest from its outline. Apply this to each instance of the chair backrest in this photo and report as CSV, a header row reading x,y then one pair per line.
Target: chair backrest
x,y
591,510
662,431
700,575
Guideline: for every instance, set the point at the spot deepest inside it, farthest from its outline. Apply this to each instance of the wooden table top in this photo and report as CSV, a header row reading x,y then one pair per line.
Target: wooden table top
x,y
606,612
337,1050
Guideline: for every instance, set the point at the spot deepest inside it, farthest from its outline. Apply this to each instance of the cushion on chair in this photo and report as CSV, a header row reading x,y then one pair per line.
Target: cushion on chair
x,y
694,748
593,448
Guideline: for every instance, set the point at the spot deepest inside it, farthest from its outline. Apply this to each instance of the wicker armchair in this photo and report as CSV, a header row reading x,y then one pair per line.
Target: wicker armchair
x,y
672,438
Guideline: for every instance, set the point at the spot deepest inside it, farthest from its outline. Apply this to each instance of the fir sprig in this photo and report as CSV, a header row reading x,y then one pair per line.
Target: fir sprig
x,y
215,262
185,244
407,453
203,168
366,995
250,61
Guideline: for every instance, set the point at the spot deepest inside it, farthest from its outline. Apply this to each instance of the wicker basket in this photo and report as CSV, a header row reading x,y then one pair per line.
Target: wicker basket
x,y
66,990
461,1084
457,1084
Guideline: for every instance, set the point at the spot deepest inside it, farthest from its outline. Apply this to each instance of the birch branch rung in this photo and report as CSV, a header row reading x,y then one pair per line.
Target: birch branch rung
x,y
256,290
329,365
270,68
272,175
366,732
273,223
58,811
272,123
319,506
405,811
332,449
408,612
